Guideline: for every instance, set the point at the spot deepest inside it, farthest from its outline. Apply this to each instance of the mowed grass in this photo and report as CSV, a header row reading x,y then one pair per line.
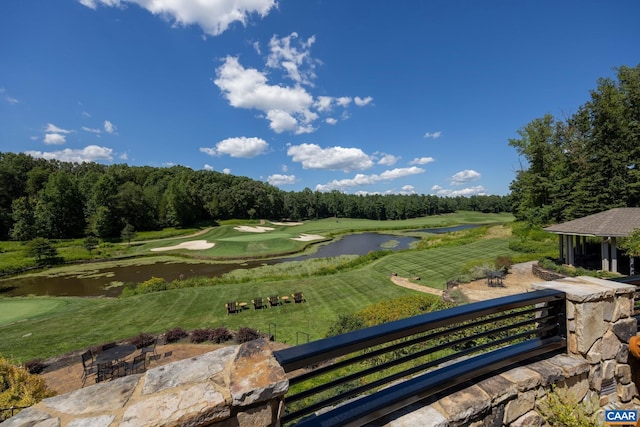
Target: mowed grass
x,y
23,309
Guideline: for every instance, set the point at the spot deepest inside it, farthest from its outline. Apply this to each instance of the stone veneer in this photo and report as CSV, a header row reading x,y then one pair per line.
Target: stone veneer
x,y
233,386
243,386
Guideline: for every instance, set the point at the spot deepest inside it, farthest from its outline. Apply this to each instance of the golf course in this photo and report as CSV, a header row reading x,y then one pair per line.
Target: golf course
x,y
41,327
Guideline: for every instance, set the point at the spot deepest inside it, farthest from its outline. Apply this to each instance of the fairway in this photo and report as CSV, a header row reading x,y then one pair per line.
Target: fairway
x,y
14,310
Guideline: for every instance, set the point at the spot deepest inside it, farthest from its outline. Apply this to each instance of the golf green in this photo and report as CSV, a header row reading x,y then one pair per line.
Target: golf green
x,y
13,310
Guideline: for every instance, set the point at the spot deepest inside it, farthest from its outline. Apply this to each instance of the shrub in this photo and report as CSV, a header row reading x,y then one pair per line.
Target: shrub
x,y
201,335
345,323
503,263
19,388
560,408
142,340
35,366
246,334
220,335
175,335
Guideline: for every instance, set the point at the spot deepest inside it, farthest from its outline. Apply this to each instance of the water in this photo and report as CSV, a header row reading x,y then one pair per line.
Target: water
x,y
109,282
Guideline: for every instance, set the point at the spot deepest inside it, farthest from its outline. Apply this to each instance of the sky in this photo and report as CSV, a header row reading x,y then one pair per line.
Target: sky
x,y
359,96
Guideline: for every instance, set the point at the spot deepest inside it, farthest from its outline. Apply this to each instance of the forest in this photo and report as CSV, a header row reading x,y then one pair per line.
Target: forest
x,y
58,200
584,163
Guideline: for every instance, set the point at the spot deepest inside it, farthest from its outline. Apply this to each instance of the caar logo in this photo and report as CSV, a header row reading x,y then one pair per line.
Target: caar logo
x,y
621,417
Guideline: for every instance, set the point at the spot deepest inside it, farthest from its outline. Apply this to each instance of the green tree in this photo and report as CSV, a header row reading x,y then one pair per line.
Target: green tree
x,y
128,233
90,243
24,226
631,244
43,251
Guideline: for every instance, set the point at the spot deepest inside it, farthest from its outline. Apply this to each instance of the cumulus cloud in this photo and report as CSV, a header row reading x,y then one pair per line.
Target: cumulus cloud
x,y
295,61
109,127
462,177
313,156
51,128
213,16
54,139
422,160
226,171
434,135
91,153
331,121
238,147
361,102
407,189
362,179
469,191
288,108
279,179
388,159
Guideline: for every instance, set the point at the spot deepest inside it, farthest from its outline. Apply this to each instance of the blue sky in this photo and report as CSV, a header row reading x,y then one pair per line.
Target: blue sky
x,y
360,96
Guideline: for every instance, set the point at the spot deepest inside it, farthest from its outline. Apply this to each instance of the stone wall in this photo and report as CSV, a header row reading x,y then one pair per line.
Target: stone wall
x,y
597,368
244,386
234,386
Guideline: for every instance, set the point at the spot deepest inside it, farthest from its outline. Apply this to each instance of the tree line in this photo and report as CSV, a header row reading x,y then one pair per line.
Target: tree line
x,y
57,200
585,163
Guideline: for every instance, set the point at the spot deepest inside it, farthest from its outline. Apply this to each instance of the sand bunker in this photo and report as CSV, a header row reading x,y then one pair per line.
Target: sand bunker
x,y
258,229
287,223
307,237
194,245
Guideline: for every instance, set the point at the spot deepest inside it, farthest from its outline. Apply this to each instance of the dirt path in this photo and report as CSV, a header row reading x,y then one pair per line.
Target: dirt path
x,y
518,280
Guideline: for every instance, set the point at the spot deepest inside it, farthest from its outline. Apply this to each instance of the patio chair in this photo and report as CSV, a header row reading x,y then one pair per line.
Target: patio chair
x,y
232,307
151,348
274,300
105,371
88,365
258,303
138,364
298,297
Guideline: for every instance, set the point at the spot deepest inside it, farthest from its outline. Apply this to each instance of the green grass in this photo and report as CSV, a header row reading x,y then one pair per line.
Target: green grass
x,y
23,309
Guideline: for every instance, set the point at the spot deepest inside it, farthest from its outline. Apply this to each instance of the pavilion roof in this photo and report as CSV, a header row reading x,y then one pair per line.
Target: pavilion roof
x,y
617,222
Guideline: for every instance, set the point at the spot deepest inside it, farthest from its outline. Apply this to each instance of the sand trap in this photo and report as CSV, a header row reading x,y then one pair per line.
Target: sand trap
x,y
287,223
194,245
307,237
258,229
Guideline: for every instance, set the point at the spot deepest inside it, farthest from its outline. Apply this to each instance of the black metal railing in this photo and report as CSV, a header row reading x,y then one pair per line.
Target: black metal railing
x,y
361,376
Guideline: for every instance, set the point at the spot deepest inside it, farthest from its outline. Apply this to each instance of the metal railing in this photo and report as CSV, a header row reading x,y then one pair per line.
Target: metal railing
x,y
361,376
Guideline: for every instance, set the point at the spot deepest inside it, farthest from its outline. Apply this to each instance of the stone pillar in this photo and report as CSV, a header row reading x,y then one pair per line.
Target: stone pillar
x,y
599,326
614,255
605,254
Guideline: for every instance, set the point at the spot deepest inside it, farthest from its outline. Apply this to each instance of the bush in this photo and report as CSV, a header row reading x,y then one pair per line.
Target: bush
x,y
175,335
246,334
503,263
345,323
201,335
560,408
19,388
220,335
142,340
35,366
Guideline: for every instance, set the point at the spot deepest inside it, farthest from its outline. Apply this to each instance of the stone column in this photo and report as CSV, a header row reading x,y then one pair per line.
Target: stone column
x,y
599,326
614,255
605,254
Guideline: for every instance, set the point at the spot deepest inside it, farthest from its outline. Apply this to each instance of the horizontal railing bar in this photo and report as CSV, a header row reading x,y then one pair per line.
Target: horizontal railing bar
x,y
335,366
369,408
317,351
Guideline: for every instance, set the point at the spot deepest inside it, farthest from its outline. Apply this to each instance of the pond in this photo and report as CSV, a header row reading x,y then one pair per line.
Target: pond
x,y
108,282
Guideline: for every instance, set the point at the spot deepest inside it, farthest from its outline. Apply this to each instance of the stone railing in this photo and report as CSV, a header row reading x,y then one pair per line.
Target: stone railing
x,y
245,386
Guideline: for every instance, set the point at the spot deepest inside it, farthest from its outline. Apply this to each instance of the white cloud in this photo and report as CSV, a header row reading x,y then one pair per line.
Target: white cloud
x,y
462,177
388,159
422,160
7,98
85,114
313,156
469,191
51,128
54,139
226,171
295,61
91,130
208,167
361,102
323,103
343,101
434,135
279,179
90,153
331,121
362,179
407,189
213,16
109,127
238,147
